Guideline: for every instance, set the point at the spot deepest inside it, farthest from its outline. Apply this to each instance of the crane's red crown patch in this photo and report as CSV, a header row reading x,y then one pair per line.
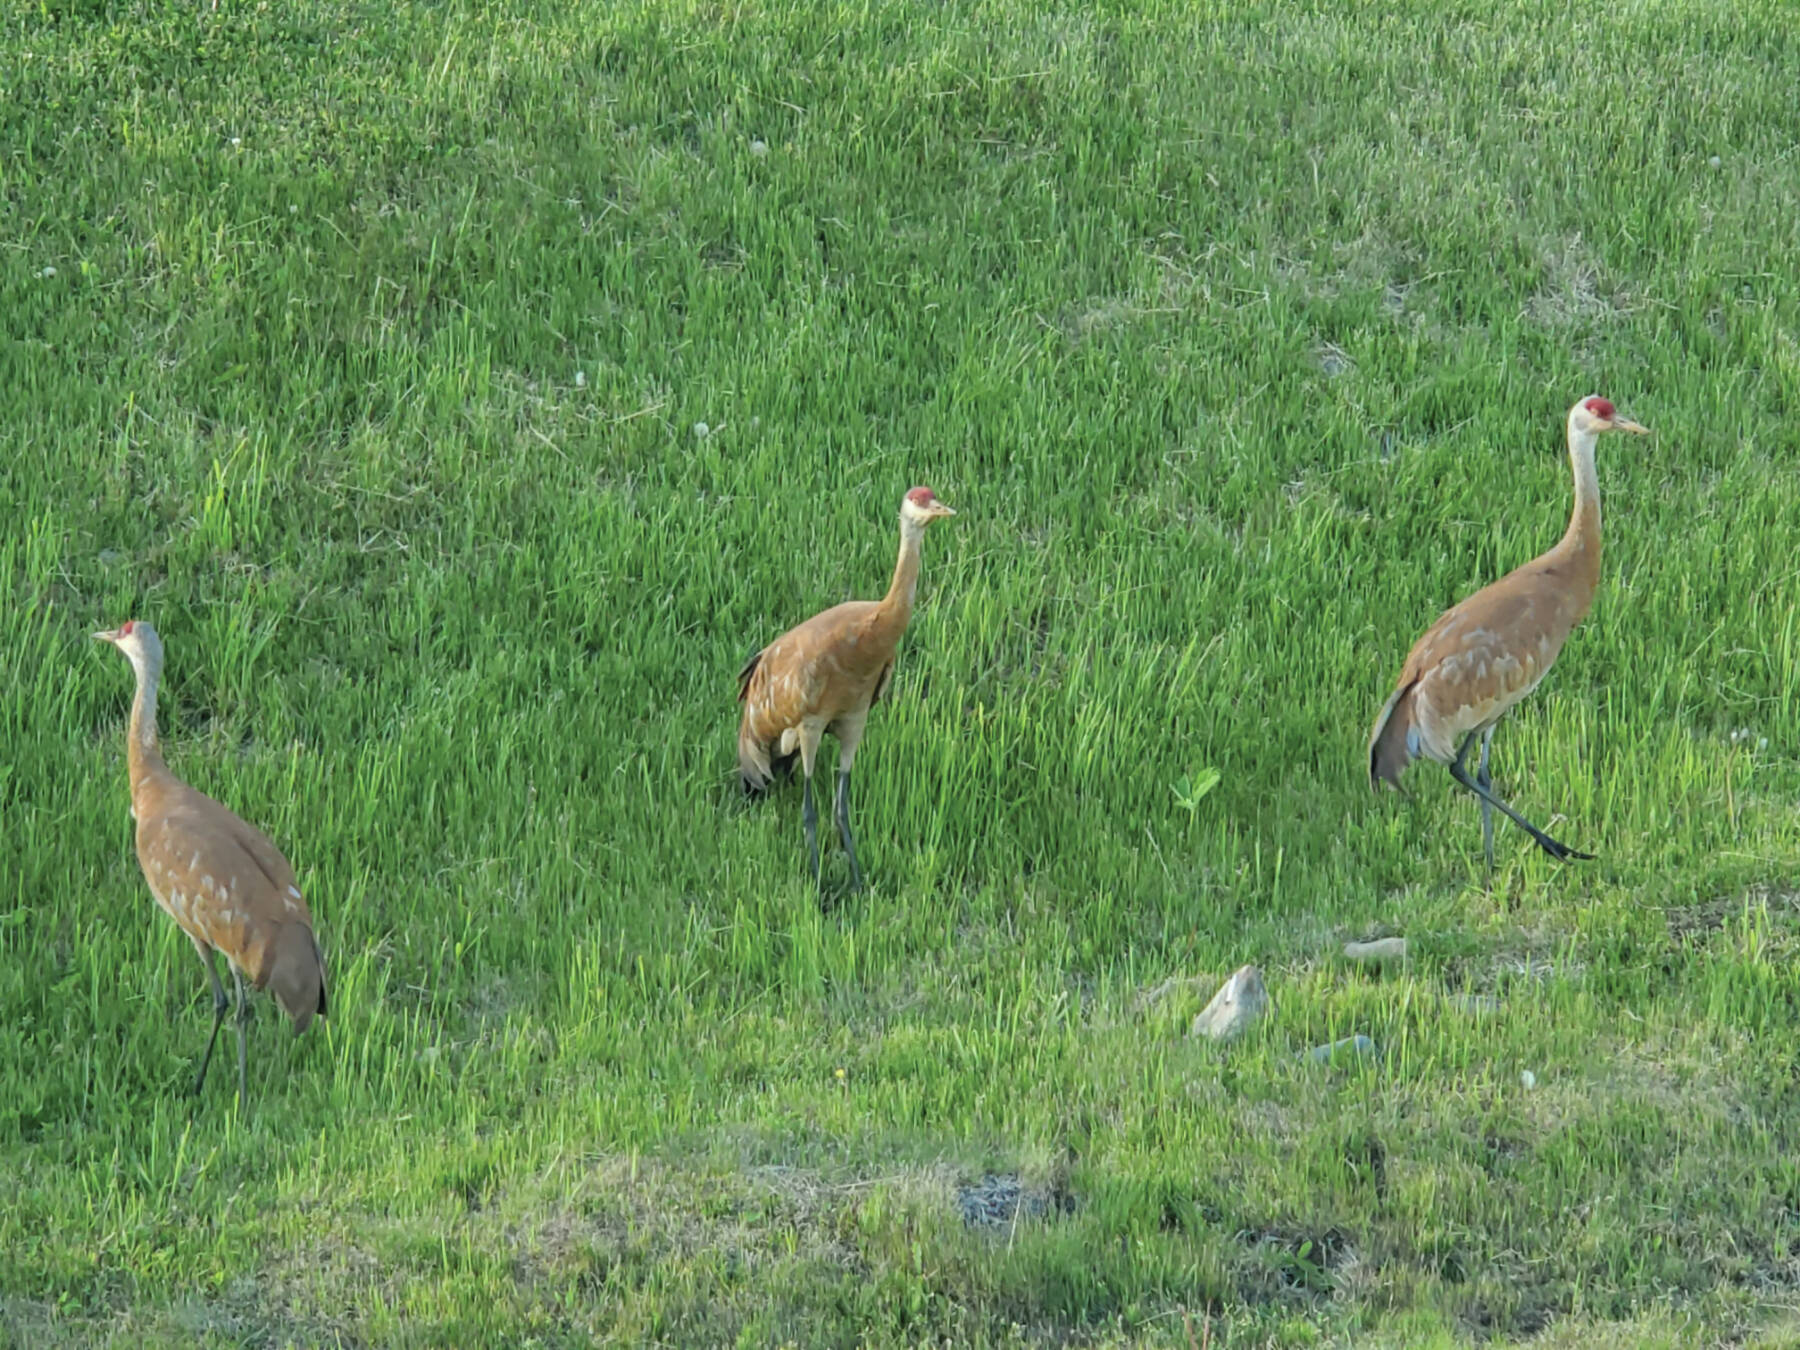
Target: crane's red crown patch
x,y
1600,408
126,630
921,496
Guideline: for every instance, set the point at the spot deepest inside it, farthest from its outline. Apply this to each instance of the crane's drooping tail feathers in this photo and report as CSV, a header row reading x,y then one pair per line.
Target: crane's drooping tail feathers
x,y
753,758
758,763
1389,752
297,974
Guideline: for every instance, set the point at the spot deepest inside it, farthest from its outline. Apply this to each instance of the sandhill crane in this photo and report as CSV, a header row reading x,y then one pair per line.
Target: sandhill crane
x,y
225,885
1487,653
825,675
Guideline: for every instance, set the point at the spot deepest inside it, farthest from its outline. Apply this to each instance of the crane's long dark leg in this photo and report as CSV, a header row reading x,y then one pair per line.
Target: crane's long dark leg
x,y
809,816
243,1021
843,824
1487,812
1458,770
220,1004
809,811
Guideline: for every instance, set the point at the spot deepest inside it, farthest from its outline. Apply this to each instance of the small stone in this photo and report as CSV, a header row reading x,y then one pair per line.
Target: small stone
x,y
1715,161
581,379
1350,1047
1381,949
1762,742
761,148
701,431
1241,1001
47,272
1528,1078
237,140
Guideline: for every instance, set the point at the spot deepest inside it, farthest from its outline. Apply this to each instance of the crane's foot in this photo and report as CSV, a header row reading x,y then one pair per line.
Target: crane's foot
x,y
1561,851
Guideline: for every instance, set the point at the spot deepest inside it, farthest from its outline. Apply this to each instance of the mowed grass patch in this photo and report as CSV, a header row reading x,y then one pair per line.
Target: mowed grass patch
x,y
367,353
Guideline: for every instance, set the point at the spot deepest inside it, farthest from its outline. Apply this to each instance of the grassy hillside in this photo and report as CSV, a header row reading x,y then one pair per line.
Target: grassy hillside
x,y
465,390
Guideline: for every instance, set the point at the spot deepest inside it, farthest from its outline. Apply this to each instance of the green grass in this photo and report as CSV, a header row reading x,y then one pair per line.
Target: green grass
x,y
1240,337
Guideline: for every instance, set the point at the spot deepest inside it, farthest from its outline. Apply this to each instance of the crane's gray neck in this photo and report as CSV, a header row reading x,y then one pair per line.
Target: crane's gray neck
x,y
1586,514
906,567
148,668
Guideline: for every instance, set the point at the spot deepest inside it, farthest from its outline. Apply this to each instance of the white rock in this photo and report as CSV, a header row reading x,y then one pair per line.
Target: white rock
x,y
1240,1003
761,148
1528,1078
1715,161
1382,949
701,431
581,379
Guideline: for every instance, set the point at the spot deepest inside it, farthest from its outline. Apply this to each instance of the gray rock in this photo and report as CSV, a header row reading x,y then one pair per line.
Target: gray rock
x,y
1381,949
1241,1002
999,1200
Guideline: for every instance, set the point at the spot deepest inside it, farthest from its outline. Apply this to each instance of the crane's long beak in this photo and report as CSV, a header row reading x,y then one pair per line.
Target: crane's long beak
x,y
943,510
110,635
1626,424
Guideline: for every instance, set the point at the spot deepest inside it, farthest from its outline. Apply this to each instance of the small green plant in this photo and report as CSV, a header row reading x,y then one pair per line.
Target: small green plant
x,y
1193,787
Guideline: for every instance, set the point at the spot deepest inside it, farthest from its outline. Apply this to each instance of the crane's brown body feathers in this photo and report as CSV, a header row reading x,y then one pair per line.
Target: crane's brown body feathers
x,y
230,890
1480,658
820,676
